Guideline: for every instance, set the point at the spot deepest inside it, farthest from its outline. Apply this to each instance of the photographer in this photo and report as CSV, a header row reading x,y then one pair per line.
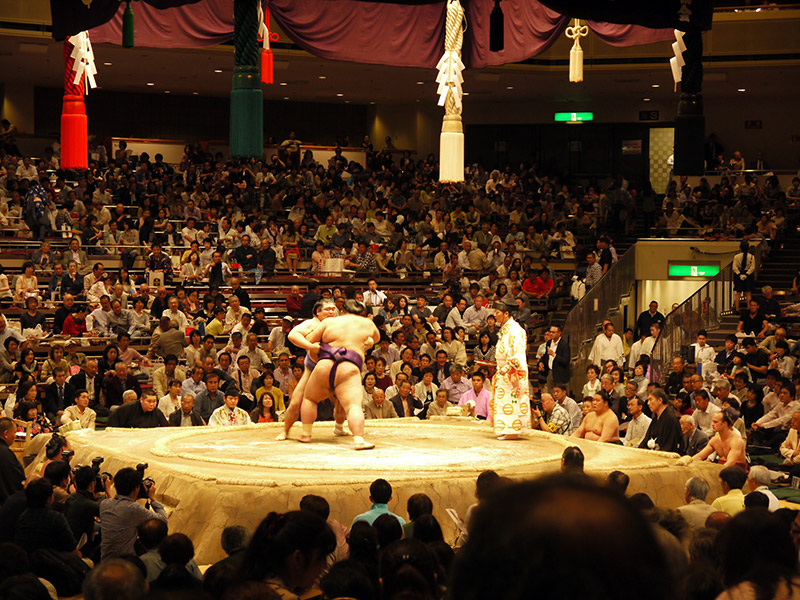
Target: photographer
x,y
82,507
120,516
550,416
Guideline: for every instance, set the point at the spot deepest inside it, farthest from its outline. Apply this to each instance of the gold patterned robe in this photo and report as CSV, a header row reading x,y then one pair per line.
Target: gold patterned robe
x,y
510,406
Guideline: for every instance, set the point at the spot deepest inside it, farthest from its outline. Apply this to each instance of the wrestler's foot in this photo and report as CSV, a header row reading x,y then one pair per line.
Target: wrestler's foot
x,y
339,429
305,439
508,436
281,436
362,445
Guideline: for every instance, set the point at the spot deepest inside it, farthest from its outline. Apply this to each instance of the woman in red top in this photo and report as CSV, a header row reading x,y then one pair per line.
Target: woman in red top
x,y
75,324
265,411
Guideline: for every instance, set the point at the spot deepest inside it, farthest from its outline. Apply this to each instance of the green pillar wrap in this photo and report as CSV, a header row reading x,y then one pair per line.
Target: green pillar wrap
x,y
247,100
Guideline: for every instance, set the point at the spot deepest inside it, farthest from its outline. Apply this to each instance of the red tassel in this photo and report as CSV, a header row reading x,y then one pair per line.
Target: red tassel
x,y
74,124
266,66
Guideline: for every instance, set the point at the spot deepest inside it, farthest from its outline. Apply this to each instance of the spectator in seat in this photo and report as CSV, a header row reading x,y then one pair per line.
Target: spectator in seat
x,y
732,501
696,510
186,416
58,396
694,438
773,428
664,432
80,411
378,407
119,382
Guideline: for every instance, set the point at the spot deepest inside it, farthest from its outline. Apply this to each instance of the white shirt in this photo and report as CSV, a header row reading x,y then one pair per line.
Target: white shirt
x,y
774,503
702,418
704,354
179,317
476,316
167,406
607,349
637,428
374,298
550,357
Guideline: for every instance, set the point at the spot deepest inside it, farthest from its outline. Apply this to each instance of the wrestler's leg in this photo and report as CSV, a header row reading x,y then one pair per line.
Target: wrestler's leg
x,y
293,410
339,416
348,388
308,414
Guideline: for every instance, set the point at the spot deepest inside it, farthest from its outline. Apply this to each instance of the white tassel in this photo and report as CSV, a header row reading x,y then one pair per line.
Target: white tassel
x,y
449,78
576,32
676,62
84,65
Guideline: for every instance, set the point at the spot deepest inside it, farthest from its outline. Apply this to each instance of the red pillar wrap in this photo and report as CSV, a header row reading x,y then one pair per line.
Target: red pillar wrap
x,y
74,124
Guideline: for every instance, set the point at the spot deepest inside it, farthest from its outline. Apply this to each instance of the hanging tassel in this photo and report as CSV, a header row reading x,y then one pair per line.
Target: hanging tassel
x,y
450,79
576,32
265,37
127,26
496,28
676,62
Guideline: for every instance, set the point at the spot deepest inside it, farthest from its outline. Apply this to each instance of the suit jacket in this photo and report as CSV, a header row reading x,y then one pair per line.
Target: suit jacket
x,y
12,475
695,442
51,403
398,404
171,342
161,380
561,361
175,419
114,389
84,261
78,382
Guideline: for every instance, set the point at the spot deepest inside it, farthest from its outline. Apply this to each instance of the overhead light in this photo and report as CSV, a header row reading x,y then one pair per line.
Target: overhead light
x,y
347,101
420,82
509,87
167,92
283,83
655,85
646,100
418,100
465,93
741,90
217,70
373,102
340,95
286,97
107,64
322,77
195,93
150,83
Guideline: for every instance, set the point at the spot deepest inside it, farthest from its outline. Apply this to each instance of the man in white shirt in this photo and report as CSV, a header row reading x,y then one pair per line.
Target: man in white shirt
x,y
373,296
283,374
26,170
80,412
475,316
607,346
638,425
277,336
703,353
258,358
559,391
463,256
704,412
455,317
771,429
759,481
175,314
235,312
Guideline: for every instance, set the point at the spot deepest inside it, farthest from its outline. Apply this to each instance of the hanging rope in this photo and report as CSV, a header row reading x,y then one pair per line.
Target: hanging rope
x,y
450,65
70,87
575,33
245,16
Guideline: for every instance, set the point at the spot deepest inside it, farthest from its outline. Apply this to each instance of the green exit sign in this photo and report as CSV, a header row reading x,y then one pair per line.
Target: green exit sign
x,y
574,117
693,270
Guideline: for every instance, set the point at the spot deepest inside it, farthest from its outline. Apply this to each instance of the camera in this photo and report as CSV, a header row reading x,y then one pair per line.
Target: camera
x,y
147,482
537,405
100,478
67,455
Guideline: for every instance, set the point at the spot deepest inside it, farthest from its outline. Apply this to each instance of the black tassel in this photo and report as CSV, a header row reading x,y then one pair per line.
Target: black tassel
x,y
496,28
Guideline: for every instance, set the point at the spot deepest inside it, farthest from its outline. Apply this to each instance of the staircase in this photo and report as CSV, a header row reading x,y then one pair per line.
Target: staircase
x,y
781,266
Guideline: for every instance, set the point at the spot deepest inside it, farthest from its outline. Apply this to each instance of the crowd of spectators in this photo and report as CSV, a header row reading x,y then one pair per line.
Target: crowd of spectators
x,y
176,337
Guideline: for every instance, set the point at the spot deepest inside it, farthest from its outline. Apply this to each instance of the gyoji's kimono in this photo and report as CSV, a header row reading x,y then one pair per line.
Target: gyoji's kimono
x,y
510,407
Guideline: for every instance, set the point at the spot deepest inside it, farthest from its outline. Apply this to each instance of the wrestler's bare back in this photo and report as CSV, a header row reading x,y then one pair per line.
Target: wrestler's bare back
x,y
347,331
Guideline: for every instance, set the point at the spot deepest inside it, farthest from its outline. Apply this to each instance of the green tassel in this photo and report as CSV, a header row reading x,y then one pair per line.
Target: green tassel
x,y
127,26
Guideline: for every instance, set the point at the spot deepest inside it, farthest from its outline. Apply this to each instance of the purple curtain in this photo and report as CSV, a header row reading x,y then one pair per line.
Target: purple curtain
x,y
206,23
629,35
372,32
